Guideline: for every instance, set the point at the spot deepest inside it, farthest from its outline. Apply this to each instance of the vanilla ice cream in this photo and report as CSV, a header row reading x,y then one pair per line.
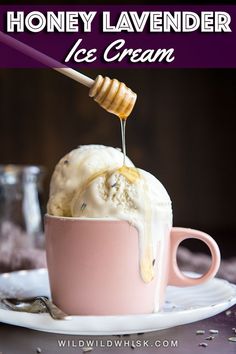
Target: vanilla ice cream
x,y
91,182
74,170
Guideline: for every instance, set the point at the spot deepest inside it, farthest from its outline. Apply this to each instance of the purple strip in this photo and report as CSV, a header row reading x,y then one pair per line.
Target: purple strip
x,y
191,50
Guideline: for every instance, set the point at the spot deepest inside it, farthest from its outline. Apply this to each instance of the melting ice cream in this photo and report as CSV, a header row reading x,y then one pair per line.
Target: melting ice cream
x,y
92,182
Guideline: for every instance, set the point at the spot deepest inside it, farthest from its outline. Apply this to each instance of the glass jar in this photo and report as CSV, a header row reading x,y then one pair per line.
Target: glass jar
x,y
20,206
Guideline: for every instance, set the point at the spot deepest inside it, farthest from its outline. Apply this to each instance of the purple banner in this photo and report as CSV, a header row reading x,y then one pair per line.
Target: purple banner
x,y
118,36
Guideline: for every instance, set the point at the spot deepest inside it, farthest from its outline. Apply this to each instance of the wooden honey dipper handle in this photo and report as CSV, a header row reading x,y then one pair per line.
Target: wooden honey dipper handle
x,y
44,59
112,95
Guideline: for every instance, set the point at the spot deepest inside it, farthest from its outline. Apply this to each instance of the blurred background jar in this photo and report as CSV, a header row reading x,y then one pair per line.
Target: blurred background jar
x,y
21,224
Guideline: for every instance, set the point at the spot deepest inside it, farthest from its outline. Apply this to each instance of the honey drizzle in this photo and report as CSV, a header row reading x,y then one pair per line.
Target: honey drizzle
x,y
116,98
132,174
123,127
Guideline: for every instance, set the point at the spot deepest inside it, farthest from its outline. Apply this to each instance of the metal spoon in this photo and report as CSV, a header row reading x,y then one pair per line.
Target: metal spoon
x,y
36,304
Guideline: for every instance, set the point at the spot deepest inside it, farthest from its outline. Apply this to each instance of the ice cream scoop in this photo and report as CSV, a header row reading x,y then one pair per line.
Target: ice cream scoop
x,y
91,182
74,171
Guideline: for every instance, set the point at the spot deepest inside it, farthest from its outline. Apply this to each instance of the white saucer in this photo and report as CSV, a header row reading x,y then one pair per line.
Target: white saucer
x,y
183,305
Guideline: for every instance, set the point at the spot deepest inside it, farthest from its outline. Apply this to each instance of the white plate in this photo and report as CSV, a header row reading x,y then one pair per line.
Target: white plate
x,y
183,305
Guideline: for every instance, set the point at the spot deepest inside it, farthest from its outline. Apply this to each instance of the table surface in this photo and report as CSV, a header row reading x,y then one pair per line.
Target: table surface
x,y
178,340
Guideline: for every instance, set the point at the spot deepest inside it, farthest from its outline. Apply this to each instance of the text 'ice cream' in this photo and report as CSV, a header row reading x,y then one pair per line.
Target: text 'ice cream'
x,y
92,182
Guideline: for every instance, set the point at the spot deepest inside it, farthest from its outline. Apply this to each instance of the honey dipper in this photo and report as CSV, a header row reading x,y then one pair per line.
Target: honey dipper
x,y
112,95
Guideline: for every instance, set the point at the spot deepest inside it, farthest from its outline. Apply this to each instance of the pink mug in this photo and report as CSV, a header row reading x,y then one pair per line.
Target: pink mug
x,y
93,266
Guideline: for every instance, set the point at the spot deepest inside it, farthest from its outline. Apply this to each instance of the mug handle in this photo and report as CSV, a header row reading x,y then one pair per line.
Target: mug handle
x,y
176,276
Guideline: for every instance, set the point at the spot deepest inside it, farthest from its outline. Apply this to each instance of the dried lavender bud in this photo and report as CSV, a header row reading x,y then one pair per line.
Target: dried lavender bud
x,y
232,339
200,331
83,206
210,338
153,262
38,350
203,344
113,185
214,331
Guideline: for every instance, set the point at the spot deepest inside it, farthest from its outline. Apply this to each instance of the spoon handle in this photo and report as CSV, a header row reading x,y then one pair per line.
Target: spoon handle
x,y
53,310
35,305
